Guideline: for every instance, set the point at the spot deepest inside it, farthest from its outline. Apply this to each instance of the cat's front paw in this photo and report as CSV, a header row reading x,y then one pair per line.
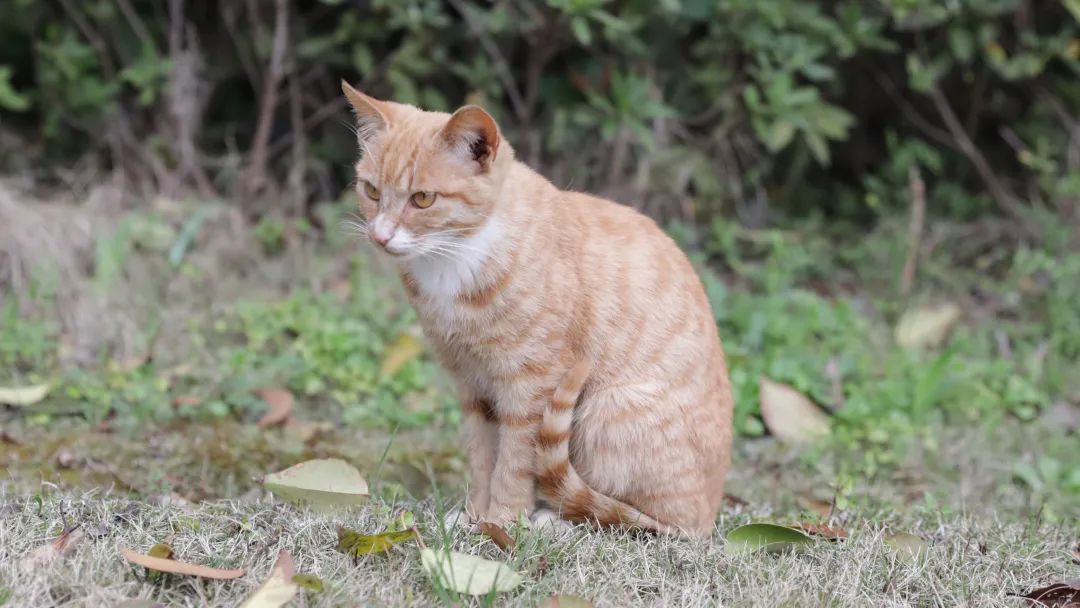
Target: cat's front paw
x,y
504,516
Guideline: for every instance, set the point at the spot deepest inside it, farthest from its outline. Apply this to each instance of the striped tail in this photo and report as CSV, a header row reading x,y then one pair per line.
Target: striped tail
x,y
560,484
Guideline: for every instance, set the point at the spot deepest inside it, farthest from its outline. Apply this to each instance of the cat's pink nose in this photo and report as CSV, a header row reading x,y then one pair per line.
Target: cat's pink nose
x,y
382,238
382,230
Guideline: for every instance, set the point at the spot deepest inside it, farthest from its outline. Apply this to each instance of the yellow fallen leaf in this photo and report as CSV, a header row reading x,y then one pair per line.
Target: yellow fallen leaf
x,y
402,350
468,574
23,395
927,326
279,588
322,483
907,546
351,542
789,415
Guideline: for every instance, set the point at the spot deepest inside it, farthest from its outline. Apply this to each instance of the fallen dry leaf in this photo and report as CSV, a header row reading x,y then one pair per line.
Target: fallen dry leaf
x,y
906,545
763,536
351,542
322,483
565,601
280,401
402,350
7,438
789,415
814,505
171,566
22,396
821,530
467,573
1058,595
279,588
62,546
498,535
309,582
735,501
186,400
927,326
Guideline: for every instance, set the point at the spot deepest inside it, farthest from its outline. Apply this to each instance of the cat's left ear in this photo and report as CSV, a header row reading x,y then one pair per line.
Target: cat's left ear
x,y
472,134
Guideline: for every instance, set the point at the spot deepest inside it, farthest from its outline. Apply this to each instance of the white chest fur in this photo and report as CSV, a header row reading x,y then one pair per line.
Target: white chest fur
x,y
442,277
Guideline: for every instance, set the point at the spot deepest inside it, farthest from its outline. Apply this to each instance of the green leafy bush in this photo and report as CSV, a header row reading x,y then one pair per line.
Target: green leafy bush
x,y
755,105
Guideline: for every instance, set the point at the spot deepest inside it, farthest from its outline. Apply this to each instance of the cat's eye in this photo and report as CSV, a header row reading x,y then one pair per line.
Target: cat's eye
x,y
371,191
423,200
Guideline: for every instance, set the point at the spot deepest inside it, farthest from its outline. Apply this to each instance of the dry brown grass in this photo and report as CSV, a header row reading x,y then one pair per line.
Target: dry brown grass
x,y
972,561
987,539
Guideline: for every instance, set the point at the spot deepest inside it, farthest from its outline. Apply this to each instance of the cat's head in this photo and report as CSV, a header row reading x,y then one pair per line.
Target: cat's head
x,y
426,181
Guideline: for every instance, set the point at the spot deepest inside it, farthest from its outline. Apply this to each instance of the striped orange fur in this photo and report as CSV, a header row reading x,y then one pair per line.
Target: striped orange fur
x,y
584,350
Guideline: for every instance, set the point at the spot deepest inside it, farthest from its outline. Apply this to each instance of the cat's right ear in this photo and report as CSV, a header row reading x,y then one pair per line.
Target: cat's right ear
x,y
372,115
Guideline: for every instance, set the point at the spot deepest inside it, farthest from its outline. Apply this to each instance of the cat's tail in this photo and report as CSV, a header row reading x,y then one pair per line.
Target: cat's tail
x,y
560,484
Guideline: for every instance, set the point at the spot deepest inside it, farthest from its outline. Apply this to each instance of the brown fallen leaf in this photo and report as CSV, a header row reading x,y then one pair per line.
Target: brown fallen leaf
x,y
8,439
735,501
1058,595
280,401
814,505
1076,554
172,566
186,401
498,535
821,530
789,415
565,601
62,546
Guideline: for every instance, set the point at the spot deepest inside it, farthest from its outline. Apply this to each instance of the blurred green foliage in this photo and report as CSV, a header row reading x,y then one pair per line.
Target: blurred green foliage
x,y
702,105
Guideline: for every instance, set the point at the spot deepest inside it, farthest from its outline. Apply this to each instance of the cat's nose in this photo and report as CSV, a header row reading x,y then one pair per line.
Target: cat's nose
x,y
382,238
382,230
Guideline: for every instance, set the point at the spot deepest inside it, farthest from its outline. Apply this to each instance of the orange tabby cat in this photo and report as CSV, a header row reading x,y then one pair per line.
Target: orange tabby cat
x,y
584,349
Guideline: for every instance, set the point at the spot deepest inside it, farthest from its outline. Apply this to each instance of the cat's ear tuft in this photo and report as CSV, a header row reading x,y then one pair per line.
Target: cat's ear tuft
x,y
372,115
472,133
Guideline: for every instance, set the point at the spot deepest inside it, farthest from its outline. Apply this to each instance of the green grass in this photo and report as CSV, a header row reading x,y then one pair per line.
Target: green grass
x,y
957,443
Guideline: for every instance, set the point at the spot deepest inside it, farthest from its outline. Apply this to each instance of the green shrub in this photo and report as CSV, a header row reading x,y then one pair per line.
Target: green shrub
x,y
799,104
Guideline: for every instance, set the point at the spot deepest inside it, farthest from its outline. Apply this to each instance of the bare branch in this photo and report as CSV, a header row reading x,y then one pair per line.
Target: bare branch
x,y
998,191
136,23
255,174
917,191
501,65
